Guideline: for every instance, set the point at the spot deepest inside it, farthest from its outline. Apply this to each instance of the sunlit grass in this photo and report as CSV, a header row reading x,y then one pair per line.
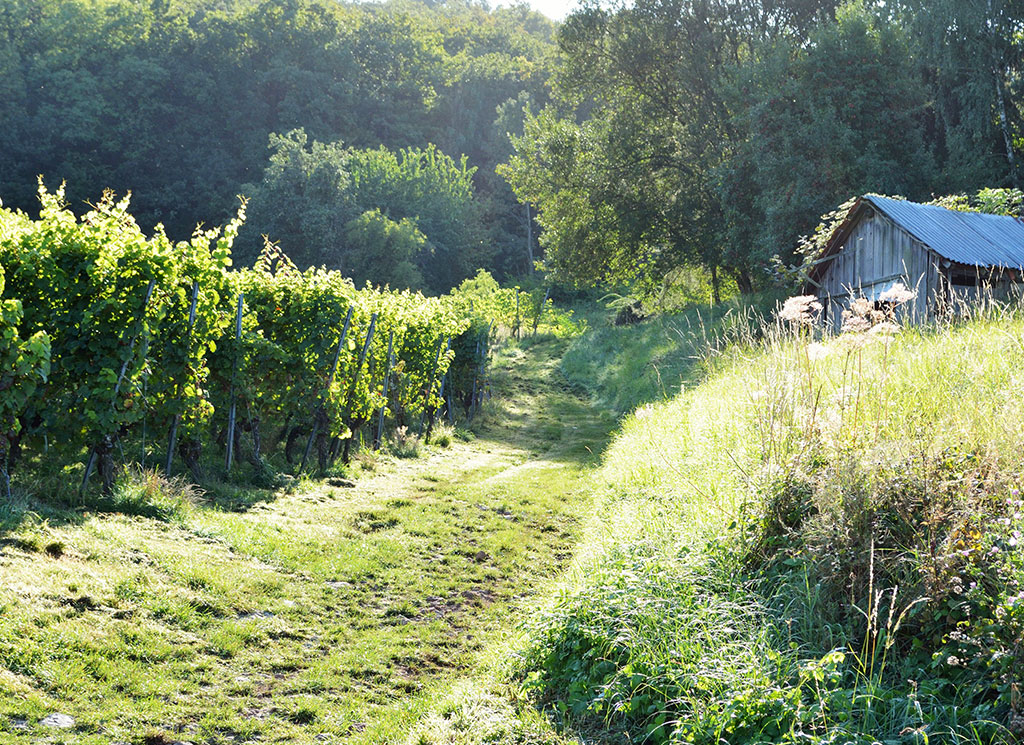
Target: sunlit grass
x,y
667,628
314,610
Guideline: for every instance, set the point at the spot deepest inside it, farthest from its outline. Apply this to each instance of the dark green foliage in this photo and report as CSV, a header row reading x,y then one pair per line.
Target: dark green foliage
x,y
383,250
711,133
834,118
175,101
817,620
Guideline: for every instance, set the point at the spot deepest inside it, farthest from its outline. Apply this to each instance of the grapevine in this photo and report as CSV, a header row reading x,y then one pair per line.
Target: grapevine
x,y
115,334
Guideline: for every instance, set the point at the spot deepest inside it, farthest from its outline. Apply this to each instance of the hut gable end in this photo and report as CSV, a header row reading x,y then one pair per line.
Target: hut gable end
x,y
869,254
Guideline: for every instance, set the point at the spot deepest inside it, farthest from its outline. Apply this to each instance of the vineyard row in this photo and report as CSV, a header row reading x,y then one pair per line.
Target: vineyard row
x,y
113,342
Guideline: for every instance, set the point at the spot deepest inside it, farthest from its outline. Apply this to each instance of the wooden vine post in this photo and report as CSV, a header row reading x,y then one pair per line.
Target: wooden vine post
x,y
93,453
517,312
387,384
433,409
173,437
476,381
430,384
355,382
540,310
449,408
319,412
481,354
232,409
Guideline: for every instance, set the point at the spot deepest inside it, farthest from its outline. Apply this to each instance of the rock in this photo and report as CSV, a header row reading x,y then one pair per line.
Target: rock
x,y
58,721
482,556
19,724
255,615
343,483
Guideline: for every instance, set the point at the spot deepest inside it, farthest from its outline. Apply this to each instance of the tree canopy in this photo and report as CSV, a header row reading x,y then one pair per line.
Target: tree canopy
x,y
174,101
714,133
350,209
414,142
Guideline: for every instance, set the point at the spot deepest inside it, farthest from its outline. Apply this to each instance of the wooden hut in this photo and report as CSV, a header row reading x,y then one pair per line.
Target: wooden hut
x,y
948,257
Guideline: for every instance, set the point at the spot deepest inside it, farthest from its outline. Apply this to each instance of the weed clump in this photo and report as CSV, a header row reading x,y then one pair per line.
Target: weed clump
x,y
405,444
149,493
443,435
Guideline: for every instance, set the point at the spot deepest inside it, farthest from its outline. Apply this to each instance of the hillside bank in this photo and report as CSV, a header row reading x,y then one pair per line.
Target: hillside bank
x,y
819,543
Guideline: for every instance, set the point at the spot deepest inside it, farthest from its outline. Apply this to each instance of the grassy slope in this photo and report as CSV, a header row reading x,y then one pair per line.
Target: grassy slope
x,y
623,367
911,448
324,611
863,474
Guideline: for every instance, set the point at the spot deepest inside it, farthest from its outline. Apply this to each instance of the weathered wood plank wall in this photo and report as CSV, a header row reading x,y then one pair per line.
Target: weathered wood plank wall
x,y
876,254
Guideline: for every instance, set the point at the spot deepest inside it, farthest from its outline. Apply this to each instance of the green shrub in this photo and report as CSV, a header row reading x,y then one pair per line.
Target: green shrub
x,y
654,644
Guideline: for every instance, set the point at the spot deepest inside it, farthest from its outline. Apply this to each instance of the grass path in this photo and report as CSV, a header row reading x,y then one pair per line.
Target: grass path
x,y
328,614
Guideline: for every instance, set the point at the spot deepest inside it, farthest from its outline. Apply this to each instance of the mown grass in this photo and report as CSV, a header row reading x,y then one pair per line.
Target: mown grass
x,y
820,543
312,613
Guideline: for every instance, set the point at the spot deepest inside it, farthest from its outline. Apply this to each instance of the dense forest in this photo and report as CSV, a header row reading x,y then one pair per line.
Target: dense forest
x,y
403,110
386,140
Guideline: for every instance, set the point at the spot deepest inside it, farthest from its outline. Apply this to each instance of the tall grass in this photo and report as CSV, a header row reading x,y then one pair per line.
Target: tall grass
x,y
626,366
820,542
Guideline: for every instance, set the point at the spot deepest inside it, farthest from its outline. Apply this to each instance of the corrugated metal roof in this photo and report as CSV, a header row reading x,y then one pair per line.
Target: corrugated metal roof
x,y
970,238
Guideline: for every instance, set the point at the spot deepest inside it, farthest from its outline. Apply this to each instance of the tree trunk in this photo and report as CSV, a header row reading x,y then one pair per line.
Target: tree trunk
x,y
529,237
295,436
1007,135
5,478
191,449
716,290
105,463
744,281
323,449
257,441
1004,122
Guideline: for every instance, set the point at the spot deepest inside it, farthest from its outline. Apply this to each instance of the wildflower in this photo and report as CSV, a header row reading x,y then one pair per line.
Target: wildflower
x,y
897,294
816,351
861,307
854,323
800,310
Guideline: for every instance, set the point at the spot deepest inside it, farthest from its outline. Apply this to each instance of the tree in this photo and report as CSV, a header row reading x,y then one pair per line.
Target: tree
x,y
434,190
174,101
303,202
973,54
325,203
817,123
633,185
384,251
